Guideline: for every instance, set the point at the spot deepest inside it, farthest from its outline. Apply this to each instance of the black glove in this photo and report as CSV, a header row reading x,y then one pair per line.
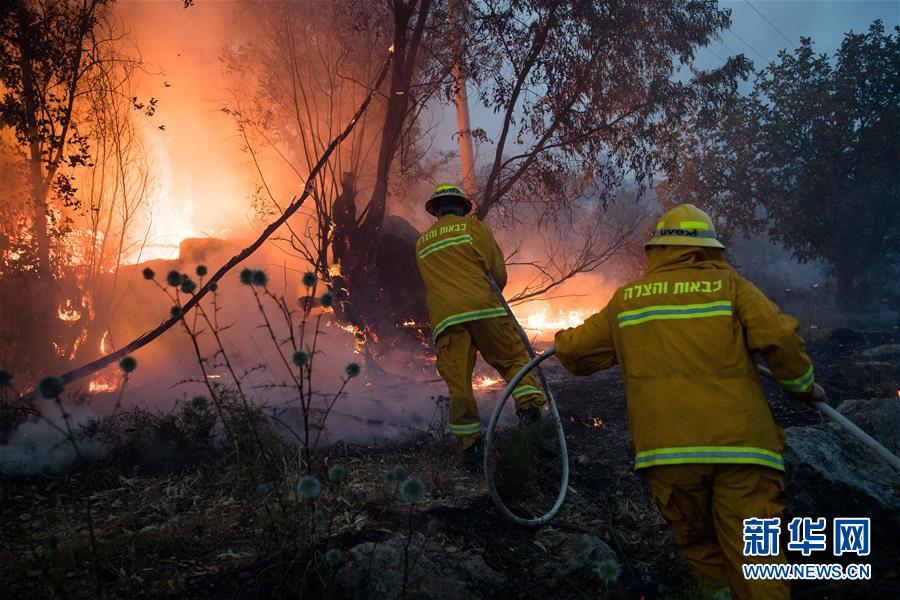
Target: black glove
x,y
815,393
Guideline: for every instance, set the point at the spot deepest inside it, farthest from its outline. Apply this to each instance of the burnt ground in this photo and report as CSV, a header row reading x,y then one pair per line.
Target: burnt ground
x,y
206,531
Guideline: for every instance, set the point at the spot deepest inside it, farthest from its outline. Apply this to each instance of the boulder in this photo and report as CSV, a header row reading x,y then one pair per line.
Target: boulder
x,y
578,557
433,572
829,473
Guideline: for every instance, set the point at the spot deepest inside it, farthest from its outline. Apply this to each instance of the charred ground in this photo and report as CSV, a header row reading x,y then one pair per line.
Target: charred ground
x,y
207,530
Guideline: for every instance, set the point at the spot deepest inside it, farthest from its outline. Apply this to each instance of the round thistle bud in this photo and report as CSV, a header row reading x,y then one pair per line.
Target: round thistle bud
x,y
175,311
260,278
201,270
301,358
5,377
309,487
199,403
262,489
51,387
128,364
337,473
608,570
185,277
309,279
246,276
396,473
413,490
352,370
173,278
148,273
213,286
333,557
188,287
327,300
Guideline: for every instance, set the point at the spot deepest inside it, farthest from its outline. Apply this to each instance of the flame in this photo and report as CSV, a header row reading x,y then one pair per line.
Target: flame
x,y
409,323
595,423
335,269
104,343
69,314
548,320
101,384
486,382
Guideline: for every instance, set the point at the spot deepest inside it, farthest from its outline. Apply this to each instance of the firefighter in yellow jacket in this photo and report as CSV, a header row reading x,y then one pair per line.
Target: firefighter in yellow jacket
x,y
684,337
455,257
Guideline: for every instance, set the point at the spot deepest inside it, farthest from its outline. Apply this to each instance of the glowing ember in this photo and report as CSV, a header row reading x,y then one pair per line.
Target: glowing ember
x,y
100,385
335,269
595,423
486,382
409,323
68,313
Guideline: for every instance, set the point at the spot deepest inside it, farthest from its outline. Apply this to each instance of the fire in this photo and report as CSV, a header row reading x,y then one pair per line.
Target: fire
x,y
546,320
595,423
68,313
101,384
335,269
486,382
409,323
104,343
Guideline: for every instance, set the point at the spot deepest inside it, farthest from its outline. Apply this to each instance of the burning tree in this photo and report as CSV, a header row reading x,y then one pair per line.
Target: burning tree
x,y
589,97
75,177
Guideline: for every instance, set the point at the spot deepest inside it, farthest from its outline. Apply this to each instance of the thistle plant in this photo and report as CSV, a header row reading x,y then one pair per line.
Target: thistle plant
x,y
413,492
298,350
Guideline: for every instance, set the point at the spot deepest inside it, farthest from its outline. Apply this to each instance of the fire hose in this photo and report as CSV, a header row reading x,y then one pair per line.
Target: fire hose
x,y
507,392
824,408
848,425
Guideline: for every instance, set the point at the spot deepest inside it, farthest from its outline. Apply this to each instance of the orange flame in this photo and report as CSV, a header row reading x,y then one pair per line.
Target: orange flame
x,y
486,382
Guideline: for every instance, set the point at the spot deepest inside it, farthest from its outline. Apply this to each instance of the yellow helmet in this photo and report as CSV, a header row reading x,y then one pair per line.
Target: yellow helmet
x,y
685,225
448,190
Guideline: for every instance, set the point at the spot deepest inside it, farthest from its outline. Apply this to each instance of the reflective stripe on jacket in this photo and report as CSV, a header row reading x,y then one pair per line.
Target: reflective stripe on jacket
x,y
453,257
683,337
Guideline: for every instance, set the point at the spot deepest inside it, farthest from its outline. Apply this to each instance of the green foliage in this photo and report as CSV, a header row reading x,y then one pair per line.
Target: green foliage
x,y
810,157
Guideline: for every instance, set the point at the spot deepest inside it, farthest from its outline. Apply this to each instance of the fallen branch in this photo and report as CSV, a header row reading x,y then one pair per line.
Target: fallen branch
x,y
296,203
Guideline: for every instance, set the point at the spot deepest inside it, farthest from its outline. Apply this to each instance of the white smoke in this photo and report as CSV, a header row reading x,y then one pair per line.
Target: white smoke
x,y
42,445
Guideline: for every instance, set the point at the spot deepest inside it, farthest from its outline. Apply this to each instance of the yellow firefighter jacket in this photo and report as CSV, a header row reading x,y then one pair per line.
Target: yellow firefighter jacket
x,y
453,257
683,337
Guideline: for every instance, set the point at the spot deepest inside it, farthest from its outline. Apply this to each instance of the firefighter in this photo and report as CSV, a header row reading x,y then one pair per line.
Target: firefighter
x,y
455,257
684,338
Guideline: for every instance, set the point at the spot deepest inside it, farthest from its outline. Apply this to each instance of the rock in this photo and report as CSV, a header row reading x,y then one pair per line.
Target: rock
x,y
576,556
885,351
829,473
433,572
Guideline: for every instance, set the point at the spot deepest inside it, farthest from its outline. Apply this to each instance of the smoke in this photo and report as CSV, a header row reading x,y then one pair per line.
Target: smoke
x,y
43,446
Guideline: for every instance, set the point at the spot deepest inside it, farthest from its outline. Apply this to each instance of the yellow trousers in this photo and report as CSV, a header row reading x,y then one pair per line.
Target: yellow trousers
x,y
706,505
500,346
